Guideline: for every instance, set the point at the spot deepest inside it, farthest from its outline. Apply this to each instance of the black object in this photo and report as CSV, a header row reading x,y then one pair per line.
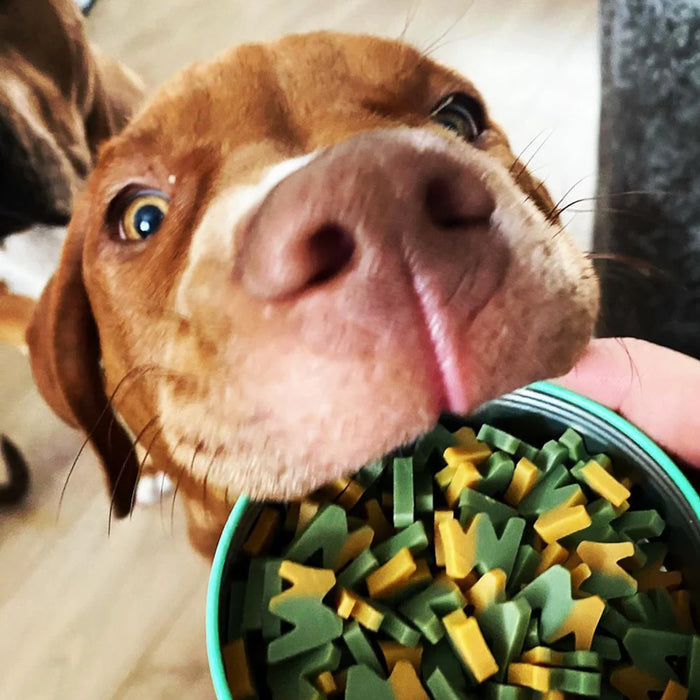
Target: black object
x,y
15,489
649,208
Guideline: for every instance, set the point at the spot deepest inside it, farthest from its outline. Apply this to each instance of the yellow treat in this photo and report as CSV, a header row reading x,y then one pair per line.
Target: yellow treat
x,y
604,557
351,495
651,576
444,476
531,676
554,695
345,603
305,581
325,683
387,501
560,522
460,547
582,621
476,453
335,488
465,437
263,532
489,589
466,475
377,521
542,656
307,510
367,616
578,575
421,574
634,683
393,652
405,682
356,543
674,691
467,638
440,517
396,571
573,561
551,555
237,670
604,484
524,479
681,608
622,508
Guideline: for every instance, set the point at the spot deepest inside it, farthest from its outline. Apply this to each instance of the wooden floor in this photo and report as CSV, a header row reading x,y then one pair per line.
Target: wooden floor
x,y
84,616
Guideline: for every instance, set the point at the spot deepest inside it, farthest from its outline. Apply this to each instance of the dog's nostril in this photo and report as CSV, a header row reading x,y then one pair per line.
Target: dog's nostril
x,y
448,206
330,250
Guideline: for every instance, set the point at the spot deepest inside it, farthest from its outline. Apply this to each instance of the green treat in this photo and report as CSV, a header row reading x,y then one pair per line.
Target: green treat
x,y
582,660
694,668
551,455
434,442
664,615
524,568
638,609
614,622
234,627
553,488
397,628
532,637
327,532
493,552
575,681
606,647
573,443
253,607
403,492
498,439
426,609
609,587
441,688
505,627
650,650
423,484
293,679
314,625
497,474
370,473
602,515
272,586
472,502
441,657
550,592
525,450
363,683
360,648
357,570
500,691
640,524
414,537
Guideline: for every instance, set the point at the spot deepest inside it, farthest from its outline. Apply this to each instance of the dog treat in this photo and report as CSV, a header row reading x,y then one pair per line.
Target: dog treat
x,y
473,566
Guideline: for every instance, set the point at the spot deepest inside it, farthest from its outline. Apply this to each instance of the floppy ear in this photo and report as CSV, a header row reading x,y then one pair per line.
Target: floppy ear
x,y
64,350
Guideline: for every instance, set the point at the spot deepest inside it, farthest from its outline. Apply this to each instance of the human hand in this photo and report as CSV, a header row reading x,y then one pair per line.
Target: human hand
x,y
655,388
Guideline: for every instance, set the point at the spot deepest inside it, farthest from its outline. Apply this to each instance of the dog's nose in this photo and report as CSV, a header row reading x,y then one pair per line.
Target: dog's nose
x,y
375,190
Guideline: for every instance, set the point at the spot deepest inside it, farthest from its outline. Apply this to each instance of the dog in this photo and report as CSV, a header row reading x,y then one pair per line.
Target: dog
x,y
59,98
291,262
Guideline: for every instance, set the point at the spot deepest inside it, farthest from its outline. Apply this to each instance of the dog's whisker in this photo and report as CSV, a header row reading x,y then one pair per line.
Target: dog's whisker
x,y
525,166
434,45
522,153
557,209
140,471
640,266
408,21
121,472
216,454
198,447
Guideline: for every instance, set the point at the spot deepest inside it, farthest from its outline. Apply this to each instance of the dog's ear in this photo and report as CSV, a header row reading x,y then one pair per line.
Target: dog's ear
x,y
64,350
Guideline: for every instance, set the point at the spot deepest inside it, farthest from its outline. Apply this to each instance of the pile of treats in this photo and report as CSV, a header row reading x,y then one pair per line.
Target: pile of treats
x,y
475,566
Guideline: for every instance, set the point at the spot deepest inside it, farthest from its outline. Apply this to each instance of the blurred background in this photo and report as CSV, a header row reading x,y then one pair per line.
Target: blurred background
x,y
84,615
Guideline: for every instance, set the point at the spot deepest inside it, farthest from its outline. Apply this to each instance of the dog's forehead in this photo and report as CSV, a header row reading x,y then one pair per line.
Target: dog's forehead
x,y
302,89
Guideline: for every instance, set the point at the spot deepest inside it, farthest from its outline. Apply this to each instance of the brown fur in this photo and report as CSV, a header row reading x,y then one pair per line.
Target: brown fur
x,y
239,386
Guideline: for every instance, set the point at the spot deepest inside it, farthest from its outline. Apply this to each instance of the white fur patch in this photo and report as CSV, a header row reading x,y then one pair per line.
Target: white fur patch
x,y
29,258
214,235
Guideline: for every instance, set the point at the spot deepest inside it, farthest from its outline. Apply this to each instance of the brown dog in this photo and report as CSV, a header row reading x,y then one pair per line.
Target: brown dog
x,y
291,262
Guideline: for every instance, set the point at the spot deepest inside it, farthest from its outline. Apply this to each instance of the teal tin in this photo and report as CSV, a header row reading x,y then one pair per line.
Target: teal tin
x,y
536,414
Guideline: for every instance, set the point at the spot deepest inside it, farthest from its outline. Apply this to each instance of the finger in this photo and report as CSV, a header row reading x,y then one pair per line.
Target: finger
x,y
655,388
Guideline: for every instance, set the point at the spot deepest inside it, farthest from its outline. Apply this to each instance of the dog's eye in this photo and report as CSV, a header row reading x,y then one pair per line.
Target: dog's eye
x,y
462,114
143,215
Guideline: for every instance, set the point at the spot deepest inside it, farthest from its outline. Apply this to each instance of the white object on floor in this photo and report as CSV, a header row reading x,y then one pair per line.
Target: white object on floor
x,y
150,488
